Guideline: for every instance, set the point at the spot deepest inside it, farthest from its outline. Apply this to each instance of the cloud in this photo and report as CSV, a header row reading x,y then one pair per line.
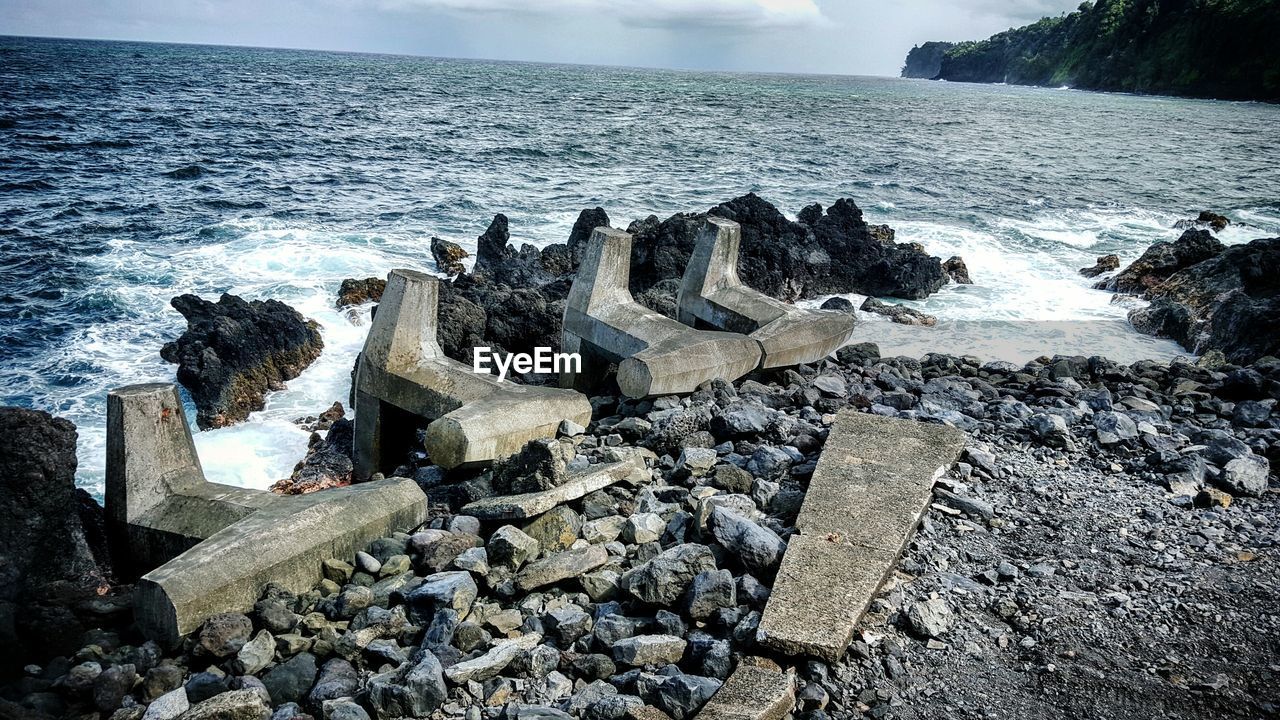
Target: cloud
x,y
728,14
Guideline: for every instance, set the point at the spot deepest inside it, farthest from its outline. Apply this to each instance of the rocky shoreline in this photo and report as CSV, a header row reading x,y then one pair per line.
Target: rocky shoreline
x,y
1107,540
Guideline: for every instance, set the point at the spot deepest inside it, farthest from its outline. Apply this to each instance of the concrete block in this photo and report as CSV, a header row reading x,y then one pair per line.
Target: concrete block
x,y
474,417
712,295
868,492
655,354
217,546
752,692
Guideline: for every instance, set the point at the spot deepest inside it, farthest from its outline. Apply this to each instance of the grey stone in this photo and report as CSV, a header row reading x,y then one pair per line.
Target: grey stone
x,y
643,528
230,705
1246,475
646,650
511,547
561,566
167,706
225,633
411,690
290,680
710,591
1114,428
664,579
492,662
930,618
256,654
755,546
455,590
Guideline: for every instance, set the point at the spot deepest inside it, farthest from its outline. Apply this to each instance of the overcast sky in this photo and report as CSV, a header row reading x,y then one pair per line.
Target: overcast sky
x,y
868,37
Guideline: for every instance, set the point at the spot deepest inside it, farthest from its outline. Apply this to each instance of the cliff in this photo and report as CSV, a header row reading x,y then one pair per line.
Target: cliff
x,y
1200,48
925,61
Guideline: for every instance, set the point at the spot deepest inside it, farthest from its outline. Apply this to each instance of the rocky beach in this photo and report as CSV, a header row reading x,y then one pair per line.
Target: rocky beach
x,y
1104,547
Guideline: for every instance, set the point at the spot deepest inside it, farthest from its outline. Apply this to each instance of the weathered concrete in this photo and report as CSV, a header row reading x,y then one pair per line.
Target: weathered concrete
x,y
158,503
758,691
655,355
402,373
872,485
712,295
218,546
528,505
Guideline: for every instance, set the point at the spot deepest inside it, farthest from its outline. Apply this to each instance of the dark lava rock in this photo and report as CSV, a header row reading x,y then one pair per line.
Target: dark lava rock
x,y
359,292
448,256
48,561
1230,302
234,351
1105,264
327,463
1162,260
1205,218
898,313
540,465
957,270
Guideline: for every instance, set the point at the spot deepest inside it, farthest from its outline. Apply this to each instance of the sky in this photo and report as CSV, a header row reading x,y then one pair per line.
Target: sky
x,y
853,37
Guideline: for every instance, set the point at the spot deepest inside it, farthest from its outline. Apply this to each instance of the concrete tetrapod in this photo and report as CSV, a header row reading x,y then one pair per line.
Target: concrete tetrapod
x,y
403,373
655,354
217,546
870,488
711,294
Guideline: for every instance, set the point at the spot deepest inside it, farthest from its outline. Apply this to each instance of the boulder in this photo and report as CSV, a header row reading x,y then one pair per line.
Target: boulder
x,y
1229,302
898,313
327,463
665,578
355,291
1206,218
1105,264
448,256
234,351
1161,260
52,549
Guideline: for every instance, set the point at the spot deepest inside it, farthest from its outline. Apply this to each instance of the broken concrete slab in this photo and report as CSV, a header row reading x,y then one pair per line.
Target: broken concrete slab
x,y
655,354
712,295
753,692
217,546
872,484
530,505
403,373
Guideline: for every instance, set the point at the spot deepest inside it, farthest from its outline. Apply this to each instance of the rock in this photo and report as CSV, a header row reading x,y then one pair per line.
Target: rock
x,y
643,528
359,292
755,546
647,650
710,591
1161,260
290,680
224,634
1050,429
233,352
840,304
338,678
681,696
455,590
697,462
665,578
1105,264
448,256
1246,475
343,709
1208,218
168,706
53,553
1114,428
436,555
256,654
412,690
327,463
956,269
1228,302
112,685
492,662
230,705
561,566
898,313
540,465
568,623
930,618
556,529
511,548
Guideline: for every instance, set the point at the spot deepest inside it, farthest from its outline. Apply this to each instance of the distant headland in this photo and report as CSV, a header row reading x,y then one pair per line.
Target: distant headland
x,y
1223,49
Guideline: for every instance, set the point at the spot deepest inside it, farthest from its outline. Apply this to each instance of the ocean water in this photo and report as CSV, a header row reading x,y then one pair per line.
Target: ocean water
x,y
130,173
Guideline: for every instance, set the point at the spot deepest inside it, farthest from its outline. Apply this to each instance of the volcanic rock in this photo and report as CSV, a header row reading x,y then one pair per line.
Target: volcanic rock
x,y
235,351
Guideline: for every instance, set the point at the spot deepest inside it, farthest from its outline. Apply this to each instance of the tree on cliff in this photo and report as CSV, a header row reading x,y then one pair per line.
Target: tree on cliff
x,y
1204,48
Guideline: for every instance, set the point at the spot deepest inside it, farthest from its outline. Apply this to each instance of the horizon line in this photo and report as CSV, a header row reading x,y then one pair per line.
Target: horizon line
x,y
451,57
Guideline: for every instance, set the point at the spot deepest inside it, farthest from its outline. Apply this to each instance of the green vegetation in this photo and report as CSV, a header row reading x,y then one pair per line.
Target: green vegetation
x,y
1226,49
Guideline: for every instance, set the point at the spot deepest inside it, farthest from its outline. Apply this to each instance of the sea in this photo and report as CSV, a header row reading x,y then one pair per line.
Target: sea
x,y
132,172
